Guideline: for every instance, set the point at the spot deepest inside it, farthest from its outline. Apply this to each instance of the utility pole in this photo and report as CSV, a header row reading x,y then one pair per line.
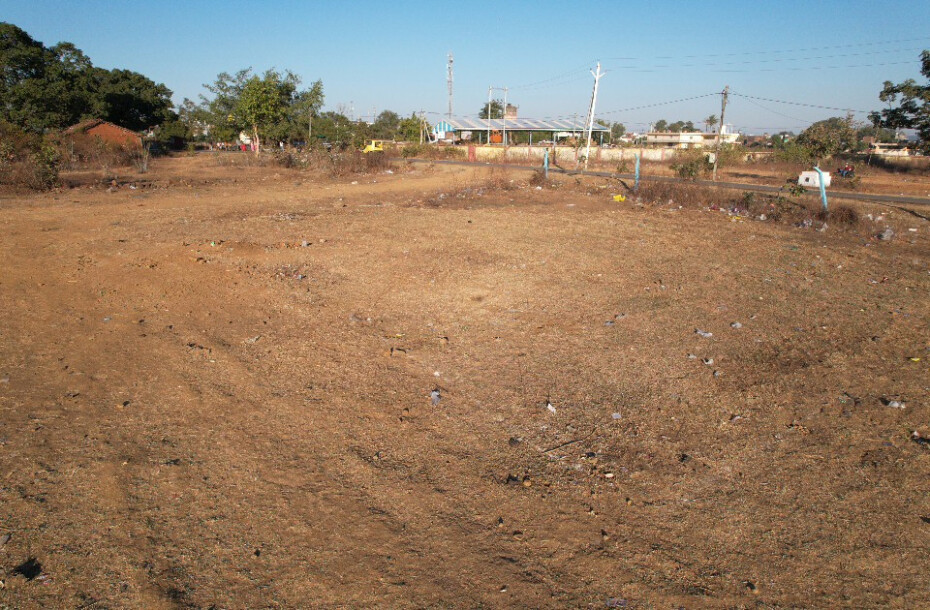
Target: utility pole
x,y
449,82
590,122
723,110
504,138
488,141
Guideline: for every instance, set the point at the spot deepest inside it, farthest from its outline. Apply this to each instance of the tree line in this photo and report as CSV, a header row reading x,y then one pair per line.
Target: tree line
x,y
50,88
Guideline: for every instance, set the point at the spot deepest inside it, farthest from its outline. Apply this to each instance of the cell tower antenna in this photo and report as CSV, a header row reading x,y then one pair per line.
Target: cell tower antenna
x,y
449,82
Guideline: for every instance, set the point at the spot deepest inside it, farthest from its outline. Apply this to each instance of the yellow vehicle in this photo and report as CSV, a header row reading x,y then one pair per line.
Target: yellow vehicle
x,y
374,146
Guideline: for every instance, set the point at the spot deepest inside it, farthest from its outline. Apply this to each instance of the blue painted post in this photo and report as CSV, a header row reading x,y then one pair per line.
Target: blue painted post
x,y
823,188
636,184
546,164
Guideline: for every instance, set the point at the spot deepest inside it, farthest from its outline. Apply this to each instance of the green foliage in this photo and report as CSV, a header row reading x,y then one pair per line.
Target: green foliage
x,y
409,128
661,125
913,105
263,105
826,138
496,110
617,131
680,126
269,107
711,122
386,126
691,164
792,152
52,88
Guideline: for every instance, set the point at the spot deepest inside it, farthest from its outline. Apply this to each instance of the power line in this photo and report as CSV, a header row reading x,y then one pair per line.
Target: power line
x,y
766,99
757,52
684,99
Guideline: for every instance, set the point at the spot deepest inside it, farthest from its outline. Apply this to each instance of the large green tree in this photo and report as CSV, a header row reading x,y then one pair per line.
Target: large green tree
x,y
269,106
912,110
50,88
386,125
825,138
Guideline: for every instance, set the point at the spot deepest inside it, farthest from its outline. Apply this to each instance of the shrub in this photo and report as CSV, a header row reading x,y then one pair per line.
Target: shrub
x,y
691,164
26,159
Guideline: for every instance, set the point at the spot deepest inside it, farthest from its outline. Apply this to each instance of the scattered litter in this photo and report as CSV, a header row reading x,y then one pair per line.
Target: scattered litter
x,y
919,439
616,416
703,333
107,319
538,188
736,325
304,243
549,407
388,171
435,373
5,379
609,323
716,373
886,235
619,198
912,230
708,361
355,182
435,397
619,316
692,357
894,403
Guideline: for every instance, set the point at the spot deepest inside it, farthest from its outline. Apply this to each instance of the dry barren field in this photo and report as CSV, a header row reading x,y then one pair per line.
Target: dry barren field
x,y
444,387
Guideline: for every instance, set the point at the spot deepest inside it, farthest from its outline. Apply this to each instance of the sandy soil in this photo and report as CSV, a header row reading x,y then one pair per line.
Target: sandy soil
x,y
257,388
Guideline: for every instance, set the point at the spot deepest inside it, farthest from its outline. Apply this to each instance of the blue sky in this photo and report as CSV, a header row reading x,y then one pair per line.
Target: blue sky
x,y
373,56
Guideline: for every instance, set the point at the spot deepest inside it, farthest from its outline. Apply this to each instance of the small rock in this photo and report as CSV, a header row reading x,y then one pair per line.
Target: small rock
x,y
692,357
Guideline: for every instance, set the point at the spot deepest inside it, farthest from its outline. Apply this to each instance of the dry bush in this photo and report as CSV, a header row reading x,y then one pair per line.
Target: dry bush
x,y
26,160
500,179
538,178
840,215
82,152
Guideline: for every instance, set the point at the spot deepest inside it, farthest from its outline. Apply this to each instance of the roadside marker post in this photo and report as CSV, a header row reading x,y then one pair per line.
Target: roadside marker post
x,y
636,183
823,188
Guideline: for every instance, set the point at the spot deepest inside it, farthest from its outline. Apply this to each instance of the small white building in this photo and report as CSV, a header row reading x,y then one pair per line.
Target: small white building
x,y
812,179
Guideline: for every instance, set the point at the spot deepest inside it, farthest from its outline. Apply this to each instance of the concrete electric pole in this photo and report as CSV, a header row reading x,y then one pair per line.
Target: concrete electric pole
x,y
590,122
723,109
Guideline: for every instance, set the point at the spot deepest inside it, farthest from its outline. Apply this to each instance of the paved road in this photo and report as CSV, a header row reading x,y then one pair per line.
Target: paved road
x,y
761,188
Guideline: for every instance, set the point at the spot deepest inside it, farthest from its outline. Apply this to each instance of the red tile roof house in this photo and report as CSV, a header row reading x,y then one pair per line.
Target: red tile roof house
x,y
106,131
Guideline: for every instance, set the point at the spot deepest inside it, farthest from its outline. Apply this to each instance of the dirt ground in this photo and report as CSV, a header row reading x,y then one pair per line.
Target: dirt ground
x,y
244,387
